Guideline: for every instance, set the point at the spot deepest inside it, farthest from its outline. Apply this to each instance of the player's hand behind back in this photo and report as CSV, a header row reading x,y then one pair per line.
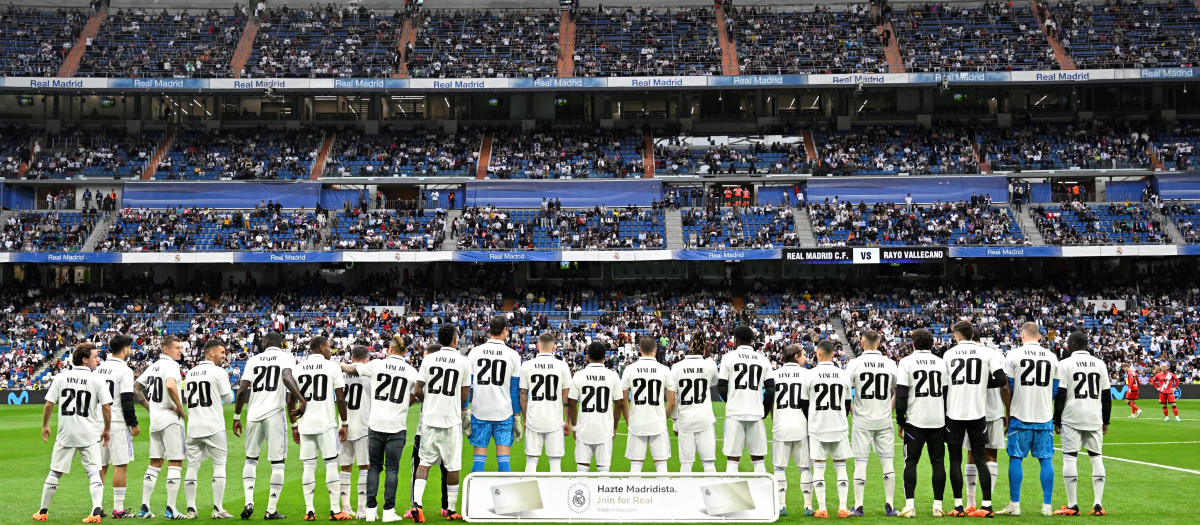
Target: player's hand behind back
x,y
299,411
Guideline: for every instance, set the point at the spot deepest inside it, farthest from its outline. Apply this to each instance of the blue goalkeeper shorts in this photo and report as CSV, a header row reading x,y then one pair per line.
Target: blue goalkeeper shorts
x,y
483,432
1023,441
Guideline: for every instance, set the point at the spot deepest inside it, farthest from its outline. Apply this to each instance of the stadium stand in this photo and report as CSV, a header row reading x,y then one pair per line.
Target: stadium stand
x,y
1187,219
92,152
771,42
949,223
752,227
1117,35
565,153
599,228
1081,223
384,230
47,231
944,148
404,153
34,43
1176,145
731,154
618,42
141,43
485,44
1083,145
240,153
330,42
996,36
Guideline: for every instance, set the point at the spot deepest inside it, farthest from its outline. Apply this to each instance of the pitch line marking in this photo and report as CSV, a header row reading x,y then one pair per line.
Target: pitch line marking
x,y
1168,467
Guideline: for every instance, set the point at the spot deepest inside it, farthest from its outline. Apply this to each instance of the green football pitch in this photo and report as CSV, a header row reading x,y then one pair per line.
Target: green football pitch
x,y
1152,467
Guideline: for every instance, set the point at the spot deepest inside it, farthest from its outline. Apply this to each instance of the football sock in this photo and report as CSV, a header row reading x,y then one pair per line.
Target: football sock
x,y
708,466
1098,477
248,475
452,493
1070,477
806,486
759,465
994,470
819,483
309,482
889,480
1133,408
843,483
333,483
49,488
480,460
276,486
118,498
96,489
218,485
731,466
1015,475
174,477
972,477
1047,476
502,460
419,492
860,480
362,488
685,467
780,488
189,484
344,490
148,483
531,464
660,466
555,464
1175,408
1165,410
602,468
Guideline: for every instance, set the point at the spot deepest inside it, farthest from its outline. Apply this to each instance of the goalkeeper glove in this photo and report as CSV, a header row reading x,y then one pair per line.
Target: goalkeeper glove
x,y
466,422
518,429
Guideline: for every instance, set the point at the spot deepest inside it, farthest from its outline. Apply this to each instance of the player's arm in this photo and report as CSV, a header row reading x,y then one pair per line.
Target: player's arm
x,y
139,391
524,406
620,409
670,403
46,411
1060,403
341,407
128,410
348,369
106,409
293,388
566,392
768,398
723,382
172,385
1106,408
243,395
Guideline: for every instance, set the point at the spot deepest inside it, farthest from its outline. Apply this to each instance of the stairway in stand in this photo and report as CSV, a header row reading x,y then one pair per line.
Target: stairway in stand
x,y
1064,59
163,148
245,46
566,45
485,157
90,30
318,167
729,56
408,36
647,156
892,50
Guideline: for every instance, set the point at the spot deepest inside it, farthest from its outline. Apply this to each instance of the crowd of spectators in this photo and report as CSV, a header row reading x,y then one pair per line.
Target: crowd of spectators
x,y
566,153
1125,34
1187,219
598,228
485,44
47,231
265,228
241,154
619,42
772,154
763,226
34,42
384,230
890,150
404,153
104,152
1079,223
821,41
997,36
1081,144
141,43
326,42
942,223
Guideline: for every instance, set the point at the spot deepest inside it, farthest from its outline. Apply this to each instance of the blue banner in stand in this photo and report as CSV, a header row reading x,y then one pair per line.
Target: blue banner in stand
x,y
64,257
726,255
959,77
1189,249
287,257
1005,251
158,83
758,80
514,256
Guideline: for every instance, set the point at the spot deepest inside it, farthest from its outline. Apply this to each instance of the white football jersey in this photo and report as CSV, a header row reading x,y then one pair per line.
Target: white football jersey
x,y
970,365
545,377
925,376
154,379
596,390
873,377
746,371
994,408
1086,379
392,382
493,366
1033,371
444,373
319,379
646,382
358,404
694,377
264,371
828,396
118,378
788,422
205,388
79,394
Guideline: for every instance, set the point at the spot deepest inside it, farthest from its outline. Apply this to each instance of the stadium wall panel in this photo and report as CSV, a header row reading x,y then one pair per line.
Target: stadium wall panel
x,y
221,194
893,189
573,194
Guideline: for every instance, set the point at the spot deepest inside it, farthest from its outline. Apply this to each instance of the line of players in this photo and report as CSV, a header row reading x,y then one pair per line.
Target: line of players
x,y
357,414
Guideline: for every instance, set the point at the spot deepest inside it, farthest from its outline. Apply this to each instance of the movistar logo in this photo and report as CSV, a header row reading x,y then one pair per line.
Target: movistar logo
x,y
14,399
